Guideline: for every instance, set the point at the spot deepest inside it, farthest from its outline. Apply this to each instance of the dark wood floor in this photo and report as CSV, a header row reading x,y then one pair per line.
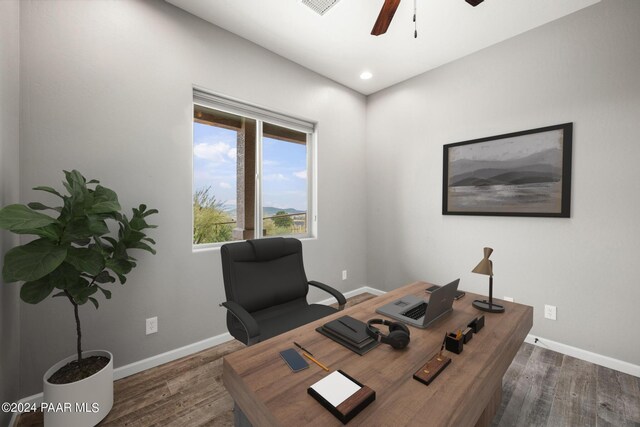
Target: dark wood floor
x,y
541,388
545,388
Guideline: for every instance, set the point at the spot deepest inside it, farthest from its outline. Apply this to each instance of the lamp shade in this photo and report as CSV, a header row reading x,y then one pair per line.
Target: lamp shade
x,y
485,266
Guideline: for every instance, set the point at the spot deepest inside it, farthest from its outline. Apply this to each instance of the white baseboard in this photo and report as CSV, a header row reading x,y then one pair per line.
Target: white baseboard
x,y
169,356
588,356
349,294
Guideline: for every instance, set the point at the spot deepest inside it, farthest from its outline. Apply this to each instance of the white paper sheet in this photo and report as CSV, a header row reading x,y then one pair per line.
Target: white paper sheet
x,y
335,388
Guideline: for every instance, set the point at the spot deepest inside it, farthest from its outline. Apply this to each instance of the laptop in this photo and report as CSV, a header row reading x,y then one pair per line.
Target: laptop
x,y
416,312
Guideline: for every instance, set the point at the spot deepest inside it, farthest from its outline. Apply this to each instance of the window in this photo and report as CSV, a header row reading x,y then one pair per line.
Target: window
x,y
251,171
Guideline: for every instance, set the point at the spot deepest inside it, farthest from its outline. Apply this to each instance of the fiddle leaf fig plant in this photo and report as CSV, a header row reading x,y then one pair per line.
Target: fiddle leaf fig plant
x,y
75,253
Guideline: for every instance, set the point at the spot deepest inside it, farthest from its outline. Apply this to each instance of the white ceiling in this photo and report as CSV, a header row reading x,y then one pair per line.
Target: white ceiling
x,y
339,46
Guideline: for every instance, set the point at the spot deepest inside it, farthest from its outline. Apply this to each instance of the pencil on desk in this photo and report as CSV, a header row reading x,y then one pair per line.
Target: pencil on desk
x,y
314,361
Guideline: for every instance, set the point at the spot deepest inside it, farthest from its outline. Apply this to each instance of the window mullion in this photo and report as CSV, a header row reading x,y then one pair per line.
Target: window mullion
x,y
258,193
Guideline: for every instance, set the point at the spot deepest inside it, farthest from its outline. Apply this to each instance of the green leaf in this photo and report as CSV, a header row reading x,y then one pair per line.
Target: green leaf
x,y
77,230
81,291
75,178
150,212
84,259
143,246
105,201
49,190
104,277
59,294
94,301
19,217
35,291
50,232
149,239
93,181
76,185
40,207
107,294
65,276
132,236
119,266
97,225
82,242
32,261
138,223
111,240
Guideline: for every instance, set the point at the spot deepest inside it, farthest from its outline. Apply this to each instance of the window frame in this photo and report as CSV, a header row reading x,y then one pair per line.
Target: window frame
x,y
207,99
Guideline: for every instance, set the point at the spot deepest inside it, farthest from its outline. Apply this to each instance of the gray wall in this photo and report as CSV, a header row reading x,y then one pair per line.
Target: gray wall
x,y
9,187
583,69
107,89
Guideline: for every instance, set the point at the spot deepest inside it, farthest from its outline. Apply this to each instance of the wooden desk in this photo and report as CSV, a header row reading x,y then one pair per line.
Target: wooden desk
x,y
467,393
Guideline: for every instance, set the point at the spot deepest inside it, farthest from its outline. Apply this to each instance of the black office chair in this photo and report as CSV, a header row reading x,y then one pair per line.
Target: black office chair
x,y
266,289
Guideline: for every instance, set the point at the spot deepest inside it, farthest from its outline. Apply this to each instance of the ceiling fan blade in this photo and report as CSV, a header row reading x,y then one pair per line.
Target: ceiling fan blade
x,y
384,18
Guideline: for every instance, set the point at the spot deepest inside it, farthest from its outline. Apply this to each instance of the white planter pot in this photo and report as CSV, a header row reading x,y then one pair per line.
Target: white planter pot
x,y
83,403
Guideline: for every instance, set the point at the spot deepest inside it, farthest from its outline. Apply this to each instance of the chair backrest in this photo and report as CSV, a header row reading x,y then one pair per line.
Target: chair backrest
x,y
262,273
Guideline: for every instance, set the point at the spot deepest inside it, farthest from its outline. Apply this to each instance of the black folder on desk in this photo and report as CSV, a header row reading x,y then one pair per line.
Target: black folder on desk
x,y
349,329
349,332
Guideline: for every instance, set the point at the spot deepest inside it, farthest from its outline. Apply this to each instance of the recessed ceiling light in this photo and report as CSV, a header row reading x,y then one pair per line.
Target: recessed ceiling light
x,y
366,75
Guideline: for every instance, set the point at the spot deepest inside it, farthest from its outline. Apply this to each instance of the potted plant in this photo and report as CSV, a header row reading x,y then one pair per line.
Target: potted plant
x,y
77,257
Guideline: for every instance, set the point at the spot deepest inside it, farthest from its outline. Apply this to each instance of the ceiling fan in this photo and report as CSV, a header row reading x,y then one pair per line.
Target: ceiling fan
x,y
389,9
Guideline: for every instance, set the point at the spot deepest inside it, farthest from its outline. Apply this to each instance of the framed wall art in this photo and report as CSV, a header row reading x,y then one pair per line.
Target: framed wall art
x,y
524,173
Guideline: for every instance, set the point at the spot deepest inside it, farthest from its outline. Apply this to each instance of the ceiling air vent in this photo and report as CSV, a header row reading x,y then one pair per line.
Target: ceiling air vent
x,y
320,6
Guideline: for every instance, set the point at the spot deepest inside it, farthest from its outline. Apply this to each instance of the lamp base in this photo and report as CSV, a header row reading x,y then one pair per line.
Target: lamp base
x,y
491,307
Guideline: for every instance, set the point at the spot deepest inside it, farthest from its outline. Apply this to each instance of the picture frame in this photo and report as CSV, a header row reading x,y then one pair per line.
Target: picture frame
x,y
525,173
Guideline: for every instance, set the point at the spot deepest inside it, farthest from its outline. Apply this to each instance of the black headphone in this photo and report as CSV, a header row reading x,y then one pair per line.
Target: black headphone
x,y
398,337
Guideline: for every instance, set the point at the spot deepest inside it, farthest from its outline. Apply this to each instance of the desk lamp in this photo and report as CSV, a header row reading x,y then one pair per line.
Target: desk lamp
x,y
486,267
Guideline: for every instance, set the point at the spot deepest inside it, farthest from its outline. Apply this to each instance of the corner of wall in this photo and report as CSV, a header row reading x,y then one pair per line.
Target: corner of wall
x,y
9,193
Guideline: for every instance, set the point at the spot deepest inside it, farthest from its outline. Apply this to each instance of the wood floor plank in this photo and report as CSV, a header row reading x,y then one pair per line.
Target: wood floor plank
x,y
533,393
631,397
537,406
510,379
206,372
124,404
610,409
574,403
206,411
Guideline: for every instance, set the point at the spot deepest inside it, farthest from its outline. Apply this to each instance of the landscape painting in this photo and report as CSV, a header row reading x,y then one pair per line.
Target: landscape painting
x,y
518,174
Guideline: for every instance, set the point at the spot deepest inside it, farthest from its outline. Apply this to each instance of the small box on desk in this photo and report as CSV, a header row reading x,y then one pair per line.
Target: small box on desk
x,y
454,344
342,395
467,334
477,324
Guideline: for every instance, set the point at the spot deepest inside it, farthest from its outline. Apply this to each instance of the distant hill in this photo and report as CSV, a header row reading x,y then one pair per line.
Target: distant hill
x,y
267,211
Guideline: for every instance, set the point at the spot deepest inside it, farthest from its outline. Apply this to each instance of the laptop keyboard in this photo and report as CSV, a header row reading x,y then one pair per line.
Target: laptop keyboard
x,y
416,312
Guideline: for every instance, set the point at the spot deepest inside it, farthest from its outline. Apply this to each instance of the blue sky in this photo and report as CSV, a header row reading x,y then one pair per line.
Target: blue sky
x,y
284,168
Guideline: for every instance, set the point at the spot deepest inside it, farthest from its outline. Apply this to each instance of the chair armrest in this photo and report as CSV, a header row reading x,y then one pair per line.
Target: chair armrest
x,y
334,292
248,322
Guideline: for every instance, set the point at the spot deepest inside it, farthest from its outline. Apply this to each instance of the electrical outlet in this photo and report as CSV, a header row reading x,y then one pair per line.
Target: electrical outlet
x,y
510,299
550,312
344,274
152,325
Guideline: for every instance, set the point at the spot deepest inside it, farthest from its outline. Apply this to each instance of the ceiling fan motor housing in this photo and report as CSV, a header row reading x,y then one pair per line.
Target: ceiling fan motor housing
x,y
474,3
